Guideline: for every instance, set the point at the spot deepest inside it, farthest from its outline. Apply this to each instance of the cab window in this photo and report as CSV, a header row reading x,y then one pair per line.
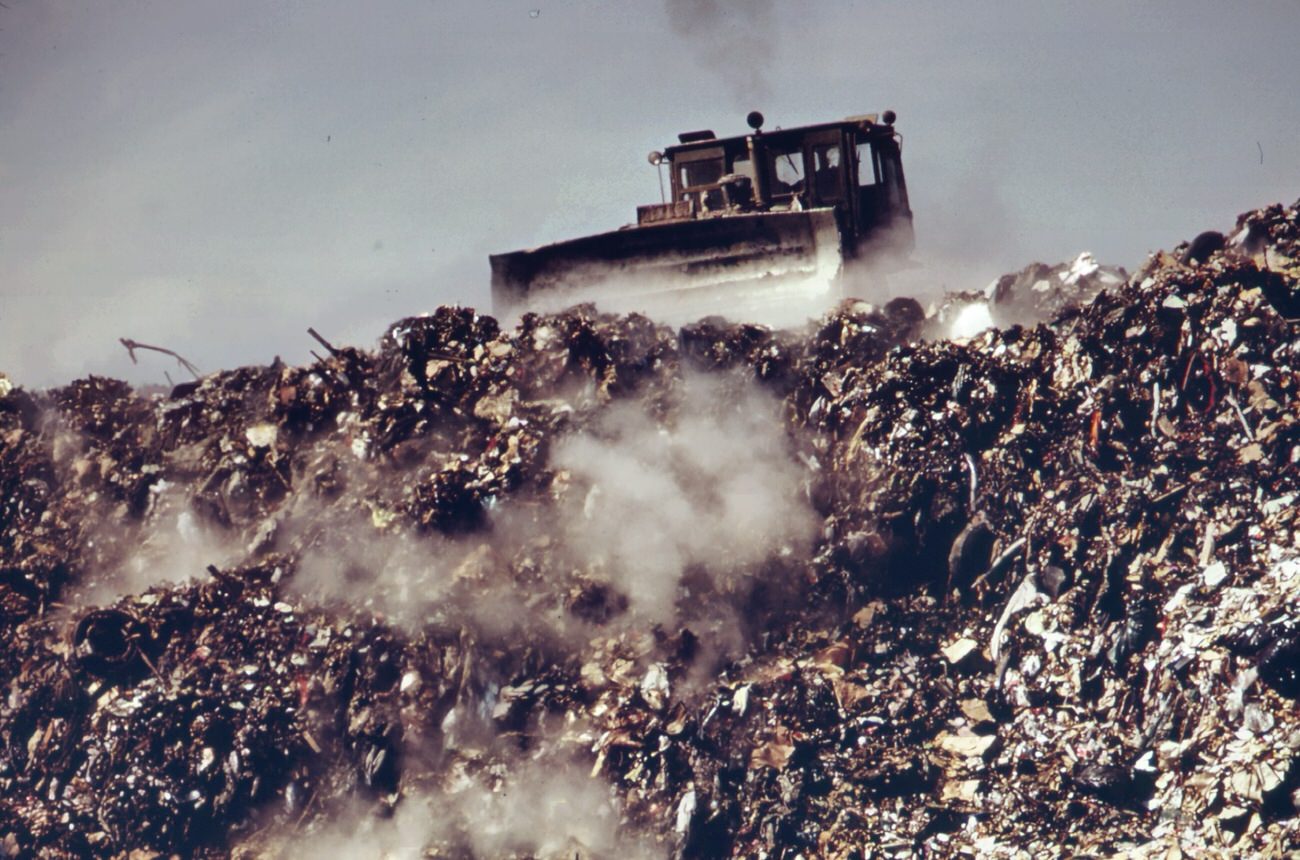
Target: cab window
x,y
704,171
891,175
868,165
826,172
787,171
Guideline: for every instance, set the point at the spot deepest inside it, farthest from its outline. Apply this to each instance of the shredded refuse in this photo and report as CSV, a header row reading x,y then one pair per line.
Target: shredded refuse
x,y
883,587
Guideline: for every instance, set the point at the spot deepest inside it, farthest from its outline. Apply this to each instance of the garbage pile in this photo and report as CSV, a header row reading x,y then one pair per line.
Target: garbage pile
x,y
1036,294
595,585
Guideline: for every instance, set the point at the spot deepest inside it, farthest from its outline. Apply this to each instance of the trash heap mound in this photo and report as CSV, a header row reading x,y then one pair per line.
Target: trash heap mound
x,y
594,585
1037,293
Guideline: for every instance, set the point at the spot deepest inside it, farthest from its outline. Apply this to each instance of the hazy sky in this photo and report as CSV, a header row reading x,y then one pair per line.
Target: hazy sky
x,y
216,177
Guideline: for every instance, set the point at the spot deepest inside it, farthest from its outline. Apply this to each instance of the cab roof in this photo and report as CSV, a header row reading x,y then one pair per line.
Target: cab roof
x,y
692,141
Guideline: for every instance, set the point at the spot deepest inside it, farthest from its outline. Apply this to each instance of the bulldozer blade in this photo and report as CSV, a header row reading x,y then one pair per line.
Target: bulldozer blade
x,y
776,267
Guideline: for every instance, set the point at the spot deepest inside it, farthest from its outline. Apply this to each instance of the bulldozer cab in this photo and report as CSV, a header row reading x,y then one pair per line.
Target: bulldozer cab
x,y
853,166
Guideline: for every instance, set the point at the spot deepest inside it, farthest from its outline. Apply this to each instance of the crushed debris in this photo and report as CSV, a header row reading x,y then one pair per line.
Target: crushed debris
x,y
857,591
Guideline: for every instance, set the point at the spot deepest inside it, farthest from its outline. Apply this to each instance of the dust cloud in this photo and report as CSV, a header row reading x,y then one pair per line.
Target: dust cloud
x,y
650,494
543,809
717,489
652,491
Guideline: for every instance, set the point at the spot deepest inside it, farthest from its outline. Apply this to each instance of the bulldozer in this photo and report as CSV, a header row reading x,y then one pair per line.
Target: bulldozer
x,y
763,225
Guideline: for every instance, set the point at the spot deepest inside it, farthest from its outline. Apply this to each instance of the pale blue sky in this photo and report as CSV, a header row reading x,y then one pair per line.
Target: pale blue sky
x,y
216,177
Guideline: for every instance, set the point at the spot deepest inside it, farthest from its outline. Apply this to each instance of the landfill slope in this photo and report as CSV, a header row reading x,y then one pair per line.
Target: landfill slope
x,y
597,586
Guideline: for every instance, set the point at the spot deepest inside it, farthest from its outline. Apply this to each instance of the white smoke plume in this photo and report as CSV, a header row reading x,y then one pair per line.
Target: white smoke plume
x,y
716,489
757,299
172,545
542,810
696,489
638,500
